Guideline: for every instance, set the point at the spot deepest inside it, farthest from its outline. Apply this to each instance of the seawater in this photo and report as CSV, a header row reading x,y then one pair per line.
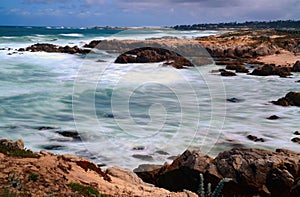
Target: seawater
x,y
137,113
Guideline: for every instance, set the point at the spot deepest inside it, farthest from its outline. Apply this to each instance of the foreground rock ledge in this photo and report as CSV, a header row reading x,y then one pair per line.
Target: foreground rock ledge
x,y
254,172
44,174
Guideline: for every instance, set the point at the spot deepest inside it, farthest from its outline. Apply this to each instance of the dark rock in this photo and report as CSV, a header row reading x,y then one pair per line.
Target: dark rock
x,y
296,139
92,44
143,157
254,172
235,100
53,147
237,68
42,128
273,117
227,73
151,55
139,148
72,134
297,81
51,48
255,139
296,133
271,69
185,168
21,49
279,181
161,152
291,98
148,172
296,67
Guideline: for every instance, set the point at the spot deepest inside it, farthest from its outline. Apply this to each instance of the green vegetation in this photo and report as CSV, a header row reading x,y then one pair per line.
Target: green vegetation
x,y
280,24
208,193
33,177
17,152
85,190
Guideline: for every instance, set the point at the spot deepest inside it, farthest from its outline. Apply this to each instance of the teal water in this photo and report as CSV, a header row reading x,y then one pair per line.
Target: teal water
x,y
124,111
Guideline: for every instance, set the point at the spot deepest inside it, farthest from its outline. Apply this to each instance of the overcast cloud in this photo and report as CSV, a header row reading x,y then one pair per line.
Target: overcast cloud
x,y
143,12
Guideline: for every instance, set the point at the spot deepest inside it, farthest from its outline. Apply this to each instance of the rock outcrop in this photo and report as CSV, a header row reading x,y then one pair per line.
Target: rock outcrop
x,y
296,67
150,55
271,69
45,174
51,48
254,172
290,99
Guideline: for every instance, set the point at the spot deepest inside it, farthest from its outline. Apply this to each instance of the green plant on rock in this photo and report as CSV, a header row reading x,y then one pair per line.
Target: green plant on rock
x,y
17,152
84,190
33,177
208,193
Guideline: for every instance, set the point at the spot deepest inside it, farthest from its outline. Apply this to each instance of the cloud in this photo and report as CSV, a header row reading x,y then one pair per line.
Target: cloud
x,y
43,1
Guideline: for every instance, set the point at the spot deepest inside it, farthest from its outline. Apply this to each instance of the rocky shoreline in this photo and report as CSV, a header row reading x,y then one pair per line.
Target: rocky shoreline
x,y
250,172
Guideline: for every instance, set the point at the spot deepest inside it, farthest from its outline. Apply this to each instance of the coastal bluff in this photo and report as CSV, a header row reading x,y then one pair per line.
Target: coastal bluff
x,y
252,172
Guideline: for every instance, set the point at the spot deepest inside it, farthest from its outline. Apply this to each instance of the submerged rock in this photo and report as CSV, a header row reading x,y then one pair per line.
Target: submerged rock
x,y
273,117
255,139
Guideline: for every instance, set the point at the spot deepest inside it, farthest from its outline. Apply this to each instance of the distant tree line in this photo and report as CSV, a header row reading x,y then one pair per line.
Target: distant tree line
x,y
280,24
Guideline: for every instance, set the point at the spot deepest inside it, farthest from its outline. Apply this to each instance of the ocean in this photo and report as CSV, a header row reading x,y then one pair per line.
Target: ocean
x,y
131,114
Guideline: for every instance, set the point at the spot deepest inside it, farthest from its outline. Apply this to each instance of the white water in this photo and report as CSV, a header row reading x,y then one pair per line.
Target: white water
x,y
118,108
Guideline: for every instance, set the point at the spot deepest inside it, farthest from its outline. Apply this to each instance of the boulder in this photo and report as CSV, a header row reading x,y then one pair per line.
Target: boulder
x,y
151,55
92,44
254,172
226,73
290,99
51,48
271,69
296,67
237,68
273,117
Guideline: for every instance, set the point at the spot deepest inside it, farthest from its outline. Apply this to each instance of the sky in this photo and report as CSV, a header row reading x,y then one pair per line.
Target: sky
x,y
88,13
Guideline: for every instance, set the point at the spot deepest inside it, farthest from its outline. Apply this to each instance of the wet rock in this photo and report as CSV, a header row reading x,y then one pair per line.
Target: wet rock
x,y
42,128
143,157
72,134
161,152
138,148
92,44
237,68
53,147
273,117
296,140
296,133
255,139
290,99
235,100
271,69
227,73
151,55
51,48
296,67
297,81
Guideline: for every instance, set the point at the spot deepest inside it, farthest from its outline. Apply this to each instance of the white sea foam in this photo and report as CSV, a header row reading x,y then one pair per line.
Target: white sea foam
x,y
72,35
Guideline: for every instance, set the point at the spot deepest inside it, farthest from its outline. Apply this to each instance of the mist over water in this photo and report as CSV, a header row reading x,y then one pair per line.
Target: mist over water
x,y
124,113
